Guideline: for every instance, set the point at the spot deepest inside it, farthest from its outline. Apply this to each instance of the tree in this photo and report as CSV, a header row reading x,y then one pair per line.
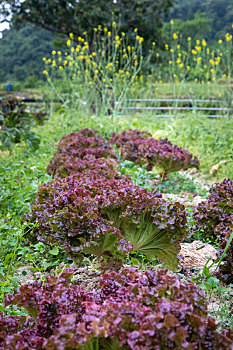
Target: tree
x,y
64,17
220,14
197,28
21,52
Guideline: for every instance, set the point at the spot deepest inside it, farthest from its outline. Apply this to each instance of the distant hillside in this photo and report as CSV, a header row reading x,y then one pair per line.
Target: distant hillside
x,y
21,52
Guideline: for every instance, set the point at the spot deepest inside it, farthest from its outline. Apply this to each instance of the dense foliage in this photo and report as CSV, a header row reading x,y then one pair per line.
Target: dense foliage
x,y
21,53
16,122
83,16
217,16
130,310
151,152
215,217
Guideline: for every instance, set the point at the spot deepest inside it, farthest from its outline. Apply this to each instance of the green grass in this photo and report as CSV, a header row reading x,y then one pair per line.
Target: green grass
x,y
192,90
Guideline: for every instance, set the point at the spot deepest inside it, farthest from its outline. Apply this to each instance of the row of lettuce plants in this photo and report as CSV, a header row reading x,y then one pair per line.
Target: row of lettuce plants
x,y
129,310
215,218
90,208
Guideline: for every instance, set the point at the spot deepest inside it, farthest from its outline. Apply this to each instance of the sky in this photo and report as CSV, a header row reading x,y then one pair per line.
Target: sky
x,y
2,27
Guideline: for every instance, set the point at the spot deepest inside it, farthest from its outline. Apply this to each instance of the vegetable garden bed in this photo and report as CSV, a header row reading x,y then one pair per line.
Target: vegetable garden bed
x,y
93,213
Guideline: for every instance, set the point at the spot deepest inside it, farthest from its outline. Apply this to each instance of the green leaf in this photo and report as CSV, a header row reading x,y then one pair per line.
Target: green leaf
x,y
154,243
213,282
134,261
8,257
54,251
206,271
223,290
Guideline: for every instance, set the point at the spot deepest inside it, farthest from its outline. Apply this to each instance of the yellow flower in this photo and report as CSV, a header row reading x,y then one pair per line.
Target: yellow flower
x,y
153,43
178,47
170,62
228,37
188,68
157,54
181,65
199,59
68,43
171,22
44,59
166,46
220,41
135,30
45,72
72,49
189,38
104,80
53,52
71,35
109,33
175,36
219,95
171,50
212,70
128,48
194,52
140,40
198,42
90,83
60,67
114,24
203,42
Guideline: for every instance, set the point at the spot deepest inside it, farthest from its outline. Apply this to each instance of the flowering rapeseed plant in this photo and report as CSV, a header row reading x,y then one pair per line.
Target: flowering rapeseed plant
x,y
97,76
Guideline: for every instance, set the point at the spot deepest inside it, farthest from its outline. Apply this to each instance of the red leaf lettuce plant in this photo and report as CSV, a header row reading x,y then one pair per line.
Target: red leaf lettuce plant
x,y
130,310
136,146
83,145
215,218
88,213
